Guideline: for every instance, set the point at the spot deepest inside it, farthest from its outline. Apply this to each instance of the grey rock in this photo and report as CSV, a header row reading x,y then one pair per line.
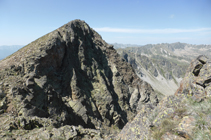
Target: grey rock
x,y
73,77
2,94
29,82
41,81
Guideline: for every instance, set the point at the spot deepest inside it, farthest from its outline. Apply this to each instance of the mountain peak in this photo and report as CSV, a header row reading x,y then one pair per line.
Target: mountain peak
x,y
71,77
71,33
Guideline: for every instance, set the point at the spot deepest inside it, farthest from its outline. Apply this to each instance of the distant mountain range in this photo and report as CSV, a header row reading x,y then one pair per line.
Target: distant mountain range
x,y
7,50
163,65
117,45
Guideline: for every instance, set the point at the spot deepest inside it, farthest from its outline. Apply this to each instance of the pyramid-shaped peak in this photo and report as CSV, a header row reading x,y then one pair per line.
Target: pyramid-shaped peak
x,y
71,76
71,34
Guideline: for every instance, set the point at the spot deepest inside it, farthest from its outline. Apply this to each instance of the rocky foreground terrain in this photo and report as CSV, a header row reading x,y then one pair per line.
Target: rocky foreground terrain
x,y
71,84
163,65
185,115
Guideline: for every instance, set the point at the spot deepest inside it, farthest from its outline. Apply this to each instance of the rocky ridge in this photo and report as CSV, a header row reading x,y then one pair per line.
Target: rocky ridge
x,y
69,84
185,115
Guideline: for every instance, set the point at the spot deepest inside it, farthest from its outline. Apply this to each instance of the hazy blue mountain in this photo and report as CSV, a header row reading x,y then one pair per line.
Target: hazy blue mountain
x,y
8,50
117,45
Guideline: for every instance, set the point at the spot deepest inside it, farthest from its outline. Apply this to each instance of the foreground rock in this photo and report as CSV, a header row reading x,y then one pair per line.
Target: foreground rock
x,y
69,77
186,115
197,81
34,128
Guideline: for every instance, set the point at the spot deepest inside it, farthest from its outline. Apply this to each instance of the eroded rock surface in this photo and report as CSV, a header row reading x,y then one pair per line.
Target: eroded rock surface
x,y
71,77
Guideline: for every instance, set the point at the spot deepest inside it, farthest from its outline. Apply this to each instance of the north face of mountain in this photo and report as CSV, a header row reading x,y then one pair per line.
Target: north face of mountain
x,y
163,65
66,81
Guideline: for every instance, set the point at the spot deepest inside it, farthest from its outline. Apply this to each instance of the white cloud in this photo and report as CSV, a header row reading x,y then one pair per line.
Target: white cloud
x,y
151,31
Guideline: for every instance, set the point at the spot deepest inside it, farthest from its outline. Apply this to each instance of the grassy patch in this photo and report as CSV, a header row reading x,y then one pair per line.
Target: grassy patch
x,y
167,125
180,111
203,107
202,135
9,134
202,129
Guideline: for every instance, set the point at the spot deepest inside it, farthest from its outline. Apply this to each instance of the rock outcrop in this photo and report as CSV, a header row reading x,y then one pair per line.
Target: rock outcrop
x,y
197,81
185,115
69,79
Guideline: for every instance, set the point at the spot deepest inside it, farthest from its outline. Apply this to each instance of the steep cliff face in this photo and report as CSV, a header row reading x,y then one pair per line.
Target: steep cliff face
x,y
69,77
185,115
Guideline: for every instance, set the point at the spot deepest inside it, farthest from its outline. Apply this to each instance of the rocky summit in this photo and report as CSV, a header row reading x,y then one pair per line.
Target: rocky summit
x,y
69,84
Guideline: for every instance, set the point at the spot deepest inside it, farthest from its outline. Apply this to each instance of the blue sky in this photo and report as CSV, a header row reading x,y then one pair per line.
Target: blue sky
x,y
117,21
